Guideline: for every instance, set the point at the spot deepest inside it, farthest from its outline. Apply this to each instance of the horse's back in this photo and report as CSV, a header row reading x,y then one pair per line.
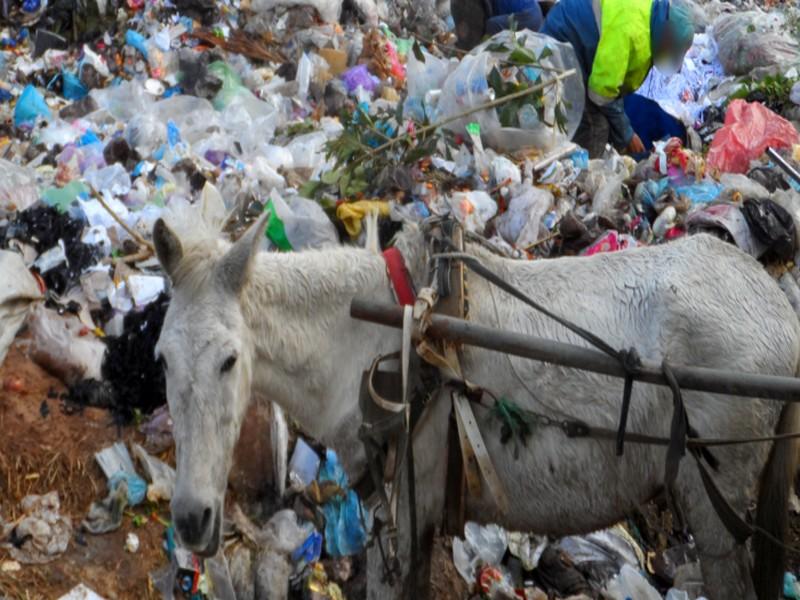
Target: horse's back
x,y
698,300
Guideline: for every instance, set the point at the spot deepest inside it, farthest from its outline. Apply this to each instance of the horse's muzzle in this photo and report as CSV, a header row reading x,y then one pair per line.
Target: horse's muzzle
x,y
197,525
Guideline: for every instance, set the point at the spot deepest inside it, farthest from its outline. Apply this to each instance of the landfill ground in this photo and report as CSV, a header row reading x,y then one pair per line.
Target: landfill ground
x,y
53,450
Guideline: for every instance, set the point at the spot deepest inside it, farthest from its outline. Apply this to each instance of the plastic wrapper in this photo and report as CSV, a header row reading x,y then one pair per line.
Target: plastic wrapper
x,y
750,128
468,87
748,40
303,466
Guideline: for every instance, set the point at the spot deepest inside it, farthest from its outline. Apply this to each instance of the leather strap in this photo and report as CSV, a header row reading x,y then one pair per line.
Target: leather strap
x,y
467,423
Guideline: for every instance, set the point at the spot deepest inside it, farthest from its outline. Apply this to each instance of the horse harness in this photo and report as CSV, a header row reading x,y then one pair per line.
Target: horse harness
x,y
394,404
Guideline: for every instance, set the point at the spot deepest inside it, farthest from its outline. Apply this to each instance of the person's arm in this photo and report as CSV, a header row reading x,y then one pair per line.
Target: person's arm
x,y
621,131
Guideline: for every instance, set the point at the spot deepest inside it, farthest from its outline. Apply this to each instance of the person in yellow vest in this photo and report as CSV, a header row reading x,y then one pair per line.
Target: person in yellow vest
x,y
617,43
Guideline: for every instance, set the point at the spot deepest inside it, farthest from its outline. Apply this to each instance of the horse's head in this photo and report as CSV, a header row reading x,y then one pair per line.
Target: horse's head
x,y
207,353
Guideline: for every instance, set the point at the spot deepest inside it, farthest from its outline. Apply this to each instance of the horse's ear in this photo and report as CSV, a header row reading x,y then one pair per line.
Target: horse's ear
x,y
168,247
235,266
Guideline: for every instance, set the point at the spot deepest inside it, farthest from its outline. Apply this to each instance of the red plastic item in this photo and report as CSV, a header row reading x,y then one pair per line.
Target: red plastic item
x,y
750,128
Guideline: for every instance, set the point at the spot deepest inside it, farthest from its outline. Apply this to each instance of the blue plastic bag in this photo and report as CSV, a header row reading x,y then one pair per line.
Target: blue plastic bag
x,y
137,40
137,487
308,552
649,191
30,105
700,193
345,534
72,88
173,134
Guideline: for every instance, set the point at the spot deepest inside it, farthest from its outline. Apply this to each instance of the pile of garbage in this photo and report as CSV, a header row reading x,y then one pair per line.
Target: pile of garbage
x,y
305,111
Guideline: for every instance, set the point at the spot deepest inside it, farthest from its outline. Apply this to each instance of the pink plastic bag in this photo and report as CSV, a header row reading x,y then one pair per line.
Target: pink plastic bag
x,y
750,128
612,241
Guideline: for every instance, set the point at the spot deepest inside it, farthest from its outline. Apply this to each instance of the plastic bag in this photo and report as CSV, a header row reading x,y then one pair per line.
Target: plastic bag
x,y
114,179
18,291
423,78
58,346
472,209
467,87
631,584
482,545
161,475
30,106
297,223
521,224
773,226
748,40
329,10
18,188
303,466
345,534
735,182
40,534
124,101
750,128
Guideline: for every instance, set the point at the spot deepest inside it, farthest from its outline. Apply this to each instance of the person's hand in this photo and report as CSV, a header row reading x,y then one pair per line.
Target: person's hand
x,y
636,146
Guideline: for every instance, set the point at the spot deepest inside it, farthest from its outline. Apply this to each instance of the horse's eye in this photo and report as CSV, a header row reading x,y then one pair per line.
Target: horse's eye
x,y
228,364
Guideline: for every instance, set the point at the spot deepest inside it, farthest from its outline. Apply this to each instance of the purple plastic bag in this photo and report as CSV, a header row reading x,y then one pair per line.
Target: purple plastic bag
x,y
359,76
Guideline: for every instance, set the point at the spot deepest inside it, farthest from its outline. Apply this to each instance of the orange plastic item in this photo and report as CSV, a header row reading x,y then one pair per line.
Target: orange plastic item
x,y
750,128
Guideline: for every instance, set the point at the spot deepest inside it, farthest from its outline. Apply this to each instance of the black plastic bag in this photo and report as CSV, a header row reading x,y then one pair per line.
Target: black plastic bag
x,y
771,225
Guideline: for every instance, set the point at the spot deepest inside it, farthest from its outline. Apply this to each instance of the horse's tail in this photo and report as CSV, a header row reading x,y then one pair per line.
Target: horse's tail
x,y
772,514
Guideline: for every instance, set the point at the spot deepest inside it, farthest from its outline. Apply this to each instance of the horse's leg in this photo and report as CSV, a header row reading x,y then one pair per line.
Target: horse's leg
x,y
724,563
430,465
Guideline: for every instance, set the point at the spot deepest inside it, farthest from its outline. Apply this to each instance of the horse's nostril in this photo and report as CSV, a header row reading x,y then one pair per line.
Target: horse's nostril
x,y
206,519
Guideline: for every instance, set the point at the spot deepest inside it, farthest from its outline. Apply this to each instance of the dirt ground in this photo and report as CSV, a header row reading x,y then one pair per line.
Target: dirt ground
x,y
44,446
43,449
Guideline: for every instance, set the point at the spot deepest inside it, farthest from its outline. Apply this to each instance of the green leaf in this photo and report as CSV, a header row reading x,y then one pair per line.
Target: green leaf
x,y
496,82
344,183
522,56
330,177
310,188
546,53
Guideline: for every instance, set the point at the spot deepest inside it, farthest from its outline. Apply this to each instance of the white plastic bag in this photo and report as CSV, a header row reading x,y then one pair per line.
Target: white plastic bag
x,y
472,209
18,292
58,346
424,78
521,224
631,584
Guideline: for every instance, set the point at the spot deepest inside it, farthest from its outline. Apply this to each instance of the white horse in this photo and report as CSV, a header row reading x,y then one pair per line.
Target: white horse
x,y
243,321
